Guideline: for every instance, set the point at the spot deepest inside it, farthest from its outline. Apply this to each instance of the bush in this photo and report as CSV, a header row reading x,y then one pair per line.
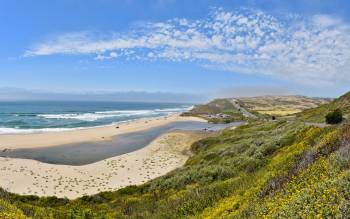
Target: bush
x,y
334,117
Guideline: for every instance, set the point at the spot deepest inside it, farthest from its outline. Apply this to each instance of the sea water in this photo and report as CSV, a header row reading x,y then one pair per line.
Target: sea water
x,y
31,117
46,116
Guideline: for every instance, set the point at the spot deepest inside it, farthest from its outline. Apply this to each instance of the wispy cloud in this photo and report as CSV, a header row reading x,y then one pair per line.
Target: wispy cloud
x,y
308,50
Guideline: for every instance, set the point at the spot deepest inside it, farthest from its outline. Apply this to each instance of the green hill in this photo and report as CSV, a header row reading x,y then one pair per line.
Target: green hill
x,y
318,114
217,111
248,108
277,169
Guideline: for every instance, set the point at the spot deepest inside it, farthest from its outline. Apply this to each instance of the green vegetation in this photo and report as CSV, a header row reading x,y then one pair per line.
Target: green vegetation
x,y
281,105
334,117
276,169
318,114
264,169
217,111
265,107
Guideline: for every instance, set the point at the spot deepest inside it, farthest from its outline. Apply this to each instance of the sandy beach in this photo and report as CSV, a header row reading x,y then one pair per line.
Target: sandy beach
x,y
104,133
164,154
168,152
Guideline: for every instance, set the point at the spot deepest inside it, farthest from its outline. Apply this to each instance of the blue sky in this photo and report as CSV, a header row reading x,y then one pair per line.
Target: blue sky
x,y
201,47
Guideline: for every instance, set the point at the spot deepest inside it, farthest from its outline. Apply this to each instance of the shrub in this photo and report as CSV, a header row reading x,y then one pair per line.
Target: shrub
x,y
273,169
334,117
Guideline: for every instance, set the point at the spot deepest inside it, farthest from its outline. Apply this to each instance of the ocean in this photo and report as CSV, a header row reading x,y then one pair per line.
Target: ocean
x,y
46,116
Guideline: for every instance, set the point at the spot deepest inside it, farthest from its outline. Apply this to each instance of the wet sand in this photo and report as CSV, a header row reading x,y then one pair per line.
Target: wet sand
x,y
161,155
164,154
90,152
105,133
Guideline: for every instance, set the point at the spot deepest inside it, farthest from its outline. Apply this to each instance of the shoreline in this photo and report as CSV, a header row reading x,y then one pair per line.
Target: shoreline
x,y
165,153
30,177
91,134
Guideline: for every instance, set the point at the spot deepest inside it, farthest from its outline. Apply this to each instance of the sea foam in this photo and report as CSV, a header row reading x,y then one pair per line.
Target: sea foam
x,y
36,122
109,114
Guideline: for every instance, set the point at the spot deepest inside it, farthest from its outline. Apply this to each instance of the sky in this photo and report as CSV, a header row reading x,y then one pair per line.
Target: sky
x,y
201,48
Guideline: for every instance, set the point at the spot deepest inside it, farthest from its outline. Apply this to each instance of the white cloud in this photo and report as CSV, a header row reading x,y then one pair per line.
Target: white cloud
x,y
314,50
111,55
324,20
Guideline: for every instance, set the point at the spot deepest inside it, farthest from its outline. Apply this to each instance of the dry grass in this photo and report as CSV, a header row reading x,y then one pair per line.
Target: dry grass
x,y
281,105
279,112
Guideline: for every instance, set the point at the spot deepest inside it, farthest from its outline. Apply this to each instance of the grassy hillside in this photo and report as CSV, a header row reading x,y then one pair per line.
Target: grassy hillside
x,y
281,105
219,106
318,114
229,110
278,169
